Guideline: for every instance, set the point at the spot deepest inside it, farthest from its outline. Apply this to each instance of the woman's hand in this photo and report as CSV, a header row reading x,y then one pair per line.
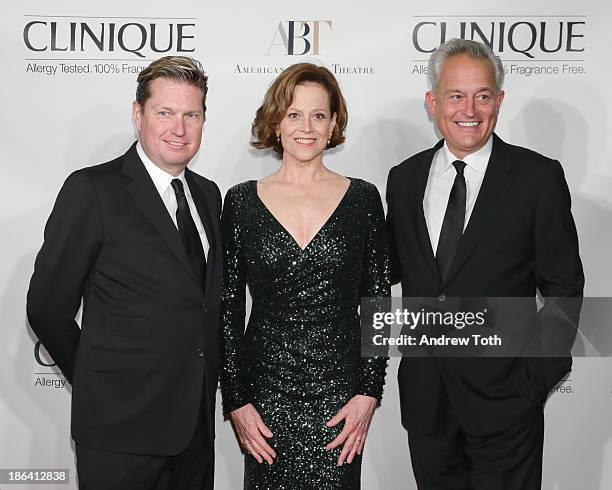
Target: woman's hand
x,y
357,415
251,430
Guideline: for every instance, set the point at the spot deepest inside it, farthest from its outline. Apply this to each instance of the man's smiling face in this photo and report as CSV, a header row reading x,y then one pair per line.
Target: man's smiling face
x,y
170,123
465,104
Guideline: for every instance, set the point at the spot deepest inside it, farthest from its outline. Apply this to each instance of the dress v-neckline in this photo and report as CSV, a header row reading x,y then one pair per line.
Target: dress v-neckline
x,y
319,231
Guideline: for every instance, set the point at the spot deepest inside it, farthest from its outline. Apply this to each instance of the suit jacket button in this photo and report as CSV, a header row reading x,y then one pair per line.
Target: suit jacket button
x,y
442,297
204,309
200,353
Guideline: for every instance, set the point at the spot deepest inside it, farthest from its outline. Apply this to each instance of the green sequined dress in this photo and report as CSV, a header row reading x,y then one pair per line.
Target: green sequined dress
x,y
298,361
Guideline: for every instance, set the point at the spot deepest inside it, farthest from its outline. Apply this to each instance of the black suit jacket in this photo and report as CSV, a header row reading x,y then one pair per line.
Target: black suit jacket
x,y
520,236
147,354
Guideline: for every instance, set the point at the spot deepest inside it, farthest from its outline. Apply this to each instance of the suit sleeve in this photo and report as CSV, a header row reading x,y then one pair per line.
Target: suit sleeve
x,y
375,283
233,306
217,200
559,275
396,273
72,240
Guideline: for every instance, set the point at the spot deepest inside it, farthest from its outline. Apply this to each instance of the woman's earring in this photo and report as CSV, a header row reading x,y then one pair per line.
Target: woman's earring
x,y
278,136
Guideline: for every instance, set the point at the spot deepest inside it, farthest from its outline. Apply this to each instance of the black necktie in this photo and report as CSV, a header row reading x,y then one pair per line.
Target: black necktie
x,y
189,232
454,219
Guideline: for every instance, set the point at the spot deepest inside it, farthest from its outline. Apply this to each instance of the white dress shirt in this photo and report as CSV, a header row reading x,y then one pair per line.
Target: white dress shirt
x,y
440,181
162,181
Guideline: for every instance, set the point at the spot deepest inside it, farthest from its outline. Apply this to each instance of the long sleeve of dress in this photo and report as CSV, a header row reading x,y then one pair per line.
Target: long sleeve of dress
x,y
233,304
375,283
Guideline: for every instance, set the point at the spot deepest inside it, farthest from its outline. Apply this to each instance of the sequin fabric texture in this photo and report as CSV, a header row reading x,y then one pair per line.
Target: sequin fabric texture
x,y
299,362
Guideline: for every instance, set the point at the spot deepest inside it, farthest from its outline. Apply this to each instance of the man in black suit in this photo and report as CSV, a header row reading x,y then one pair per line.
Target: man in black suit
x,y
137,240
476,217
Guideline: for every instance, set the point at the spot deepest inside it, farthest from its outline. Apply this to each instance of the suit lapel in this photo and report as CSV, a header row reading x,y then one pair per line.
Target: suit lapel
x,y
145,195
421,178
201,202
492,194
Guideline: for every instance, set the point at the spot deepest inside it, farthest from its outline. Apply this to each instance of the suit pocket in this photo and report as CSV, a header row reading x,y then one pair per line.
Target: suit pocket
x,y
129,361
128,326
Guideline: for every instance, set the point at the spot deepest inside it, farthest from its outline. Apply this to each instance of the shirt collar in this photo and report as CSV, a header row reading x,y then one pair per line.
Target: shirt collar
x,y
477,161
161,179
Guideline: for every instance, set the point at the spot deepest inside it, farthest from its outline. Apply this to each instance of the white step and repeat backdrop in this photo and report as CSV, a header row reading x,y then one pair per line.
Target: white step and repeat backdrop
x,y
68,79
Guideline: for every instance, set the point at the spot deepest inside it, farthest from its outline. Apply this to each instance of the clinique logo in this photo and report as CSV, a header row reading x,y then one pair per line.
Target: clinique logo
x,y
538,37
298,37
49,378
41,357
137,37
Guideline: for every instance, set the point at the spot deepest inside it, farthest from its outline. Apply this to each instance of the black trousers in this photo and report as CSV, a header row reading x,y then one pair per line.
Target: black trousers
x,y
193,469
451,459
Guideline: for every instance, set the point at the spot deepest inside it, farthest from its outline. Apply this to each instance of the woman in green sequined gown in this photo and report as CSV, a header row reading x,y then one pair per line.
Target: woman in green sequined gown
x,y
309,244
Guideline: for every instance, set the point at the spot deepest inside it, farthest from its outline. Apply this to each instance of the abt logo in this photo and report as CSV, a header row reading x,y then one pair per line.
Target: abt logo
x,y
298,37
